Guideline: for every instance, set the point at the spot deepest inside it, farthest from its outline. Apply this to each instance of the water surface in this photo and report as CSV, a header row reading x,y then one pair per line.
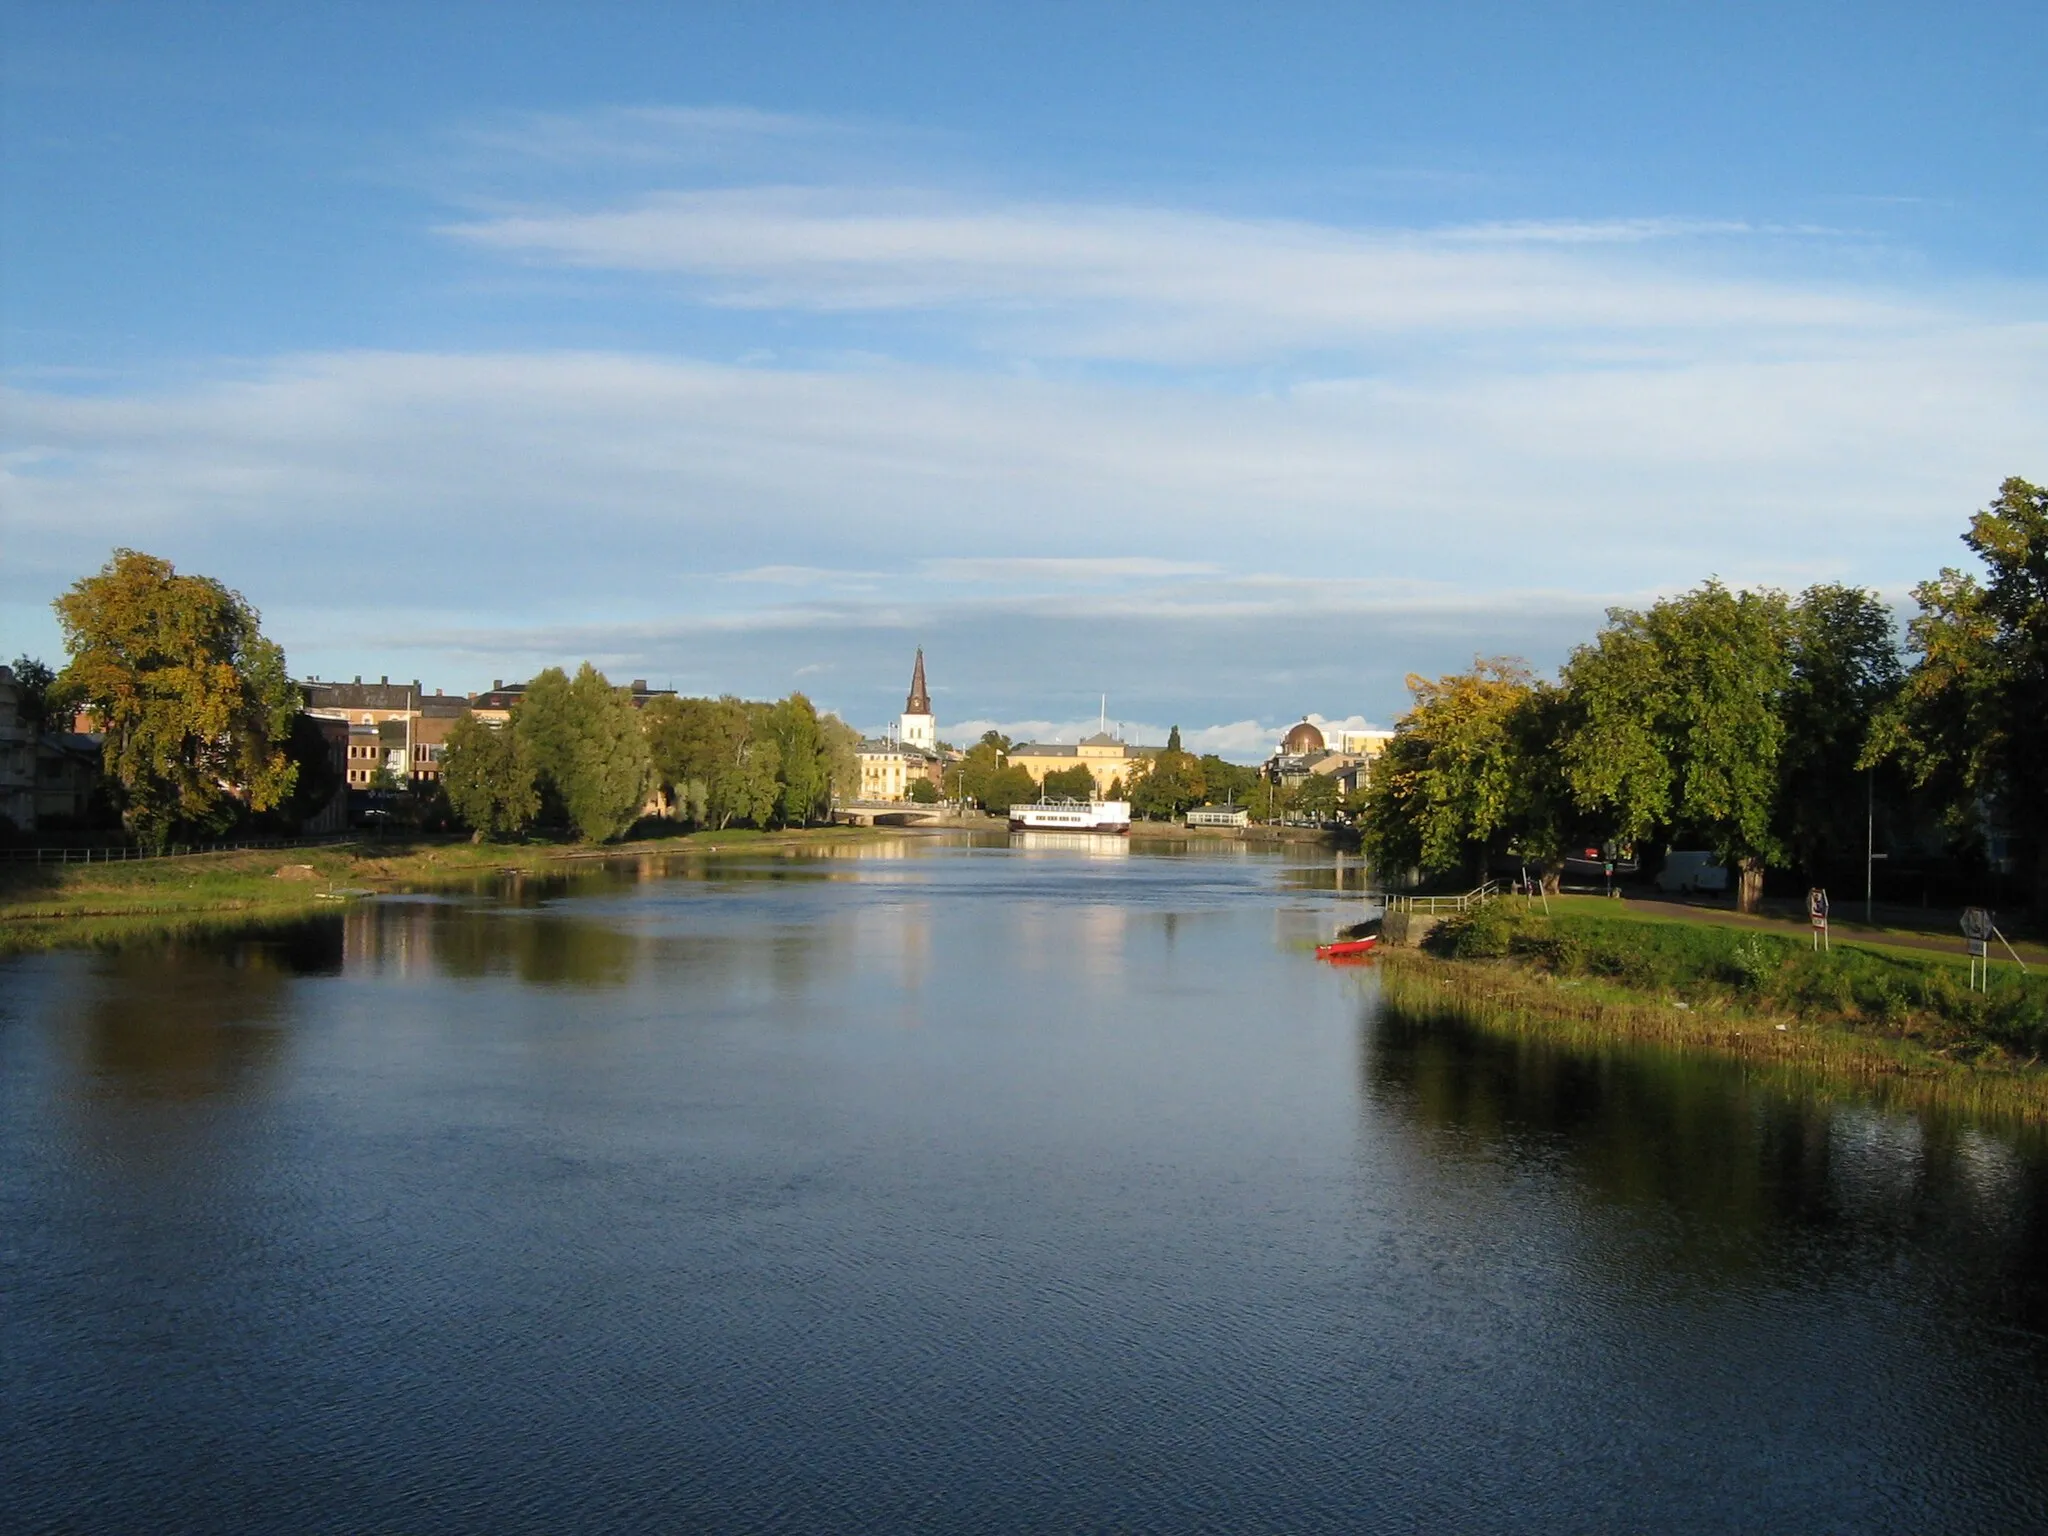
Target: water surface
x,y
931,1186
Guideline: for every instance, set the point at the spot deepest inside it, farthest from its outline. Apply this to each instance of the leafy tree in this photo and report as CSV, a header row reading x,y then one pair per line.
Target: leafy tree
x,y
839,744
1168,784
489,779
695,745
1677,724
1076,783
584,741
1464,772
1317,796
611,772
196,705
1228,783
804,771
1844,673
997,742
979,768
1010,785
35,680
924,791
316,780
544,721
1970,724
747,786
1173,739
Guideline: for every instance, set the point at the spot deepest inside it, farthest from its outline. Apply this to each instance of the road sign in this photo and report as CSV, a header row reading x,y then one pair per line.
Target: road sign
x,y
1817,910
1978,928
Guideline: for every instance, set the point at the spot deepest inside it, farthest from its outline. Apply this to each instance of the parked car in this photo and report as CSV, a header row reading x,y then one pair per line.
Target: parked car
x,y
1692,870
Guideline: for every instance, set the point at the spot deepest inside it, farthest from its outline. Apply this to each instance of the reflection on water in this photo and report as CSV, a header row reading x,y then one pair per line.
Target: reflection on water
x,y
1092,845
943,1185
192,1020
1731,1167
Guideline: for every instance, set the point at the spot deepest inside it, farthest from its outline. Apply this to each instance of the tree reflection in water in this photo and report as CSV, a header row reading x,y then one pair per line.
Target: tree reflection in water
x,y
195,1019
1735,1176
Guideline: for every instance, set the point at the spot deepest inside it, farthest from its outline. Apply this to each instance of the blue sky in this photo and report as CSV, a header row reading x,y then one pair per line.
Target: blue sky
x,y
1233,365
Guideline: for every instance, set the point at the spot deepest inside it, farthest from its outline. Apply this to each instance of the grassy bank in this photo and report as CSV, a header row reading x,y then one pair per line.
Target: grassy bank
x,y
50,906
1897,1024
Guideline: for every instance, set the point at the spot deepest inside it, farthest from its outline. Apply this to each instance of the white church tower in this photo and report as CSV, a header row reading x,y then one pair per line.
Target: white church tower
x,y
918,728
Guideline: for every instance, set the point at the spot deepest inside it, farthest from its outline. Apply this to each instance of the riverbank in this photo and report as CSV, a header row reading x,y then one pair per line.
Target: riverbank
x,y
1257,832
62,905
1893,1023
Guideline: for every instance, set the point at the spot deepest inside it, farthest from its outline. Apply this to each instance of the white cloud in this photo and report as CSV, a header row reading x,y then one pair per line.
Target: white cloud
x,y
1441,441
1137,282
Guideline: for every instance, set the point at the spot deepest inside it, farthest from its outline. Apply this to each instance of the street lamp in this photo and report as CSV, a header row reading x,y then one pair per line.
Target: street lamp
x,y
1870,853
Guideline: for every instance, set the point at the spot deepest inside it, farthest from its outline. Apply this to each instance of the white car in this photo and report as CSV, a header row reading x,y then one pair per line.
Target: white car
x,y
1692,870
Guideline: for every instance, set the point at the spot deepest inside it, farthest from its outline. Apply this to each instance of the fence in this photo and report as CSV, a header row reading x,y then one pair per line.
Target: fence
x,y
123,853
1440,906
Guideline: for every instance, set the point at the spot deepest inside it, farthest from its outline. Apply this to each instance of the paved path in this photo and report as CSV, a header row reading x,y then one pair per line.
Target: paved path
x,y
1934,941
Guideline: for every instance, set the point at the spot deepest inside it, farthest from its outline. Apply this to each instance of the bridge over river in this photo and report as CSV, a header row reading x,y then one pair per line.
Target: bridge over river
x,y
903,813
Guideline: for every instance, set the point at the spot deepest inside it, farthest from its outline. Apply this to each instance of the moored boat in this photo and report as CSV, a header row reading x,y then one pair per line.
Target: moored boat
x,y
1341,948
1111,816
1350,943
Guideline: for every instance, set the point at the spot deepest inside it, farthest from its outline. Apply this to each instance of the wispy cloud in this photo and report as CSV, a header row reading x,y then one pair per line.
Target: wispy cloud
x,y
1061,569
1225,468
1138,282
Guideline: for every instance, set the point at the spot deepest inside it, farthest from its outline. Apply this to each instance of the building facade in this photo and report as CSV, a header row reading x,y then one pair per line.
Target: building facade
x,y
17,756
1110,762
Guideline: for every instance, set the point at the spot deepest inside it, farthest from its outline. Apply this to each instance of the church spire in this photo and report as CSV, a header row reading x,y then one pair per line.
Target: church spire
x,y
919,702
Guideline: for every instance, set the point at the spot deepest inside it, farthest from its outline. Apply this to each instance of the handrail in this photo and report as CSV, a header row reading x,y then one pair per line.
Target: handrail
x,y
1437,906
124,852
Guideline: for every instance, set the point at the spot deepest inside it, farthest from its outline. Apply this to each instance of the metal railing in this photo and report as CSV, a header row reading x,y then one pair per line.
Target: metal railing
x,y
125,852
1439,906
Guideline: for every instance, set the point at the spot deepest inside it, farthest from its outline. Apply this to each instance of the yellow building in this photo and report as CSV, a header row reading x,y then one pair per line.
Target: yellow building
x,y
1109,762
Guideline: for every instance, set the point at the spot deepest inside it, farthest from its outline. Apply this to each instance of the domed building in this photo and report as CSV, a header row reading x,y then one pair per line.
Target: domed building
x,y
1302,740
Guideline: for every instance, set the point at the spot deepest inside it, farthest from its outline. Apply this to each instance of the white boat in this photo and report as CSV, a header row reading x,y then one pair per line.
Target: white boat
x,y
1112,816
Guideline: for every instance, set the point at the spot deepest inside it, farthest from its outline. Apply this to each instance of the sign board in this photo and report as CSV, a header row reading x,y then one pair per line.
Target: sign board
x,y
1979,950
1977,924
1817,907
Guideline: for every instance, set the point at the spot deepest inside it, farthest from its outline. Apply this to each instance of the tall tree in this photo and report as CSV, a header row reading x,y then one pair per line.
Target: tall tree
x,y
1317,796
839,744
489,779
1169,783
196,705
35,680
1677,724
1010,785
544,721
584,741
610,773
1466,772
804,773
1843,673
1970,724
1227,782
316,779
1075,783
980,766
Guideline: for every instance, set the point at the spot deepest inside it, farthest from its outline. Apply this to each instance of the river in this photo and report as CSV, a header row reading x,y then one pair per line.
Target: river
x,y
923,1185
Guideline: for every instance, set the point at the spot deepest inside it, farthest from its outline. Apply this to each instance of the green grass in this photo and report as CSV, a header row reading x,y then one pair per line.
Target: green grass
x,y
1905,1018
52,906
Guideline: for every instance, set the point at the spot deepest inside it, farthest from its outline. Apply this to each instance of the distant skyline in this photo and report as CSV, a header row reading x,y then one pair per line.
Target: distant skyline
x,y
1235,365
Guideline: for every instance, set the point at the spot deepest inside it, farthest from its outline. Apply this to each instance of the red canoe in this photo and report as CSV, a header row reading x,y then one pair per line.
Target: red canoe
x,y
1346,947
